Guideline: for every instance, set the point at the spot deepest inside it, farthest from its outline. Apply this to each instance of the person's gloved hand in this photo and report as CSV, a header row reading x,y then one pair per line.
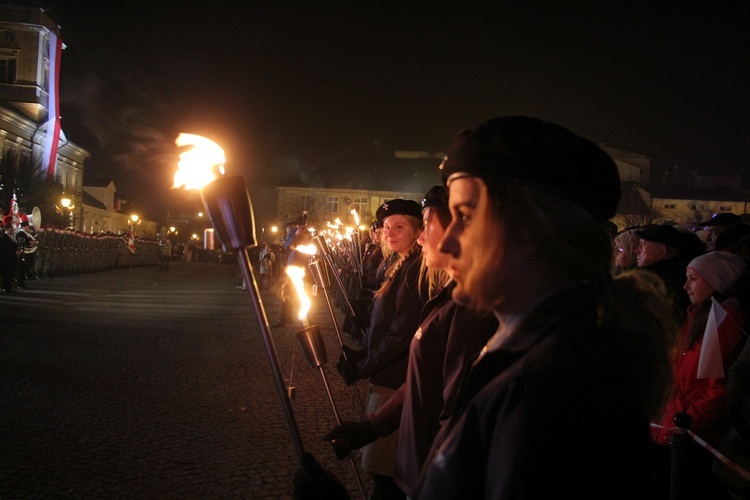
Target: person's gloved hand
x,y
351,354
312,482
350,435
348,370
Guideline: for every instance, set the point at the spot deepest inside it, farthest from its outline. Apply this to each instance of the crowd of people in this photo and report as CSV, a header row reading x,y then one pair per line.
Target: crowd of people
x,y
28,253
511,339
516,342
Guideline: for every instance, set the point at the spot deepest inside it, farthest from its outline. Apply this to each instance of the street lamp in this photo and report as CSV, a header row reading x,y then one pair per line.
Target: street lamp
x,y
68,205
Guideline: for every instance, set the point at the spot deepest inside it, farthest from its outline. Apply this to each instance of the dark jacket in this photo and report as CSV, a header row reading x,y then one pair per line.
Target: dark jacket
x,y
554,407
448,338
394,320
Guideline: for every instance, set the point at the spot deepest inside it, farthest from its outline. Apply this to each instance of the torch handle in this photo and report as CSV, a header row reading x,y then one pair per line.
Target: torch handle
x,y
265,330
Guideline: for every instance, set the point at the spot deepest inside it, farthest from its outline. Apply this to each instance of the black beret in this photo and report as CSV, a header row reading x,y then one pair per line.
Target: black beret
x,y
723,219
437,196
660,233
375,225
398,206
543,155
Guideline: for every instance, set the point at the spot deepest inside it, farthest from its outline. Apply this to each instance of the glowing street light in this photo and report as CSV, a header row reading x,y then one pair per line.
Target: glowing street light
x,y
68,205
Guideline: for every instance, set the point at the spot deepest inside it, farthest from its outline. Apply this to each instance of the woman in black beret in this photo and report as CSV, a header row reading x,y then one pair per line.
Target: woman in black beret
x,y
394,319
561,396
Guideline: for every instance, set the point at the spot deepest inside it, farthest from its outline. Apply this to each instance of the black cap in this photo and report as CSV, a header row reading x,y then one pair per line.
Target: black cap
x,y
398,206
375,225
543,155
723,219
664,234
437,196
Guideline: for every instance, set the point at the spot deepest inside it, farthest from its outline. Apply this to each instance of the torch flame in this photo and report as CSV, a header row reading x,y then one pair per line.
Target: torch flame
x,y
310,249
356,217
296,274
199,165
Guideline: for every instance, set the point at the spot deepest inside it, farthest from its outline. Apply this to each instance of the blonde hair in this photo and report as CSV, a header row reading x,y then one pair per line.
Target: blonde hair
x,y
416,225
435,279
571,244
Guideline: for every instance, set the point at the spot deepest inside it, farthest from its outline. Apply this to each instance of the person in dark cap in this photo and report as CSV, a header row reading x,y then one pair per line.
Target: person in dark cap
x,y
577,354
449,336
576,351
716,225
394,320
659,252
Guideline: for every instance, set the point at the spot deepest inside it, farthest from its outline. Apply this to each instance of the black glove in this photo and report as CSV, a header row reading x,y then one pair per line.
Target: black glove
x,y
348,370
355,355
312,482
350,435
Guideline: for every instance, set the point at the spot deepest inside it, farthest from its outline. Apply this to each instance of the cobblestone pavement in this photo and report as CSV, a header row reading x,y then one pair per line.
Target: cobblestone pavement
x,y
136,383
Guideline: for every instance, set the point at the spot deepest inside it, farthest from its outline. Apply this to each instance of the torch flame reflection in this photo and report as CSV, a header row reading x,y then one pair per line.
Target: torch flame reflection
x,y
199,165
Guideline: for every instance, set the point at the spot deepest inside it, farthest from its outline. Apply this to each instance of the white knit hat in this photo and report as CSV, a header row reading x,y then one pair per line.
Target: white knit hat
x,y
719,269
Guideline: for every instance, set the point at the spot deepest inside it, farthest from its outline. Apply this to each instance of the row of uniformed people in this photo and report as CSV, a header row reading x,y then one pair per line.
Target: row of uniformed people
x,y
65,251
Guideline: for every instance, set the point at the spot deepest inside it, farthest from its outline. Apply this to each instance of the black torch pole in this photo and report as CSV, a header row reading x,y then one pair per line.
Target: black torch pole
x,y
323,248
314,349
318,269
228,206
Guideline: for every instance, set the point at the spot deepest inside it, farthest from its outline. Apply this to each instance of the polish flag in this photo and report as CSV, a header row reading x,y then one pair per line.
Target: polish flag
x,y
710,364
53,124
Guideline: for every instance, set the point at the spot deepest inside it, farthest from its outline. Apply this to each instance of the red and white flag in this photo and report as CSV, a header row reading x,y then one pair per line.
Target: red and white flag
x,y
53,122
710,363
131,240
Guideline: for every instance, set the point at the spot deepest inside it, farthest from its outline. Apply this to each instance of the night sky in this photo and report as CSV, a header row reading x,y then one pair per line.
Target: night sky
x,y
284,87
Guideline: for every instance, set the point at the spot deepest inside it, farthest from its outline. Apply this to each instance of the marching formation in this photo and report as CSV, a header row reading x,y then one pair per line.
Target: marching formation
x,y
29,253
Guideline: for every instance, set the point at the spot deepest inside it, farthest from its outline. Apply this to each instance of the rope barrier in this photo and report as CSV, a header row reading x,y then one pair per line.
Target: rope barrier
x,y
726,461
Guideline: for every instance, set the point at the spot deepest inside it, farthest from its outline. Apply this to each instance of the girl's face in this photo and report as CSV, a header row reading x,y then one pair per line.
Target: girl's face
x,y
375,235
486,263
457,239
429,239
697,288
399,234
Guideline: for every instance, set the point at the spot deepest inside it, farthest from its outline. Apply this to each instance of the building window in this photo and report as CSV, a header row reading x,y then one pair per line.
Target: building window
x,y
305,202
670,205
332,205
360,205
725,209
7,69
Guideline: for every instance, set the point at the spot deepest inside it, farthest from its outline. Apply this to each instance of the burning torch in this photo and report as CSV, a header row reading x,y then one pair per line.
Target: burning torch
x,y
228,205
311,342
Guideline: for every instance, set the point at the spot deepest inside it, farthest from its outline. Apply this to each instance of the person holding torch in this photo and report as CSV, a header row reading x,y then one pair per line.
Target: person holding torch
x,y
395,317
561,396
448,338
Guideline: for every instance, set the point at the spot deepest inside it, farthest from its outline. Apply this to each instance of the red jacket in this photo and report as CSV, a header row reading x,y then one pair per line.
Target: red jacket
x,y
705,400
